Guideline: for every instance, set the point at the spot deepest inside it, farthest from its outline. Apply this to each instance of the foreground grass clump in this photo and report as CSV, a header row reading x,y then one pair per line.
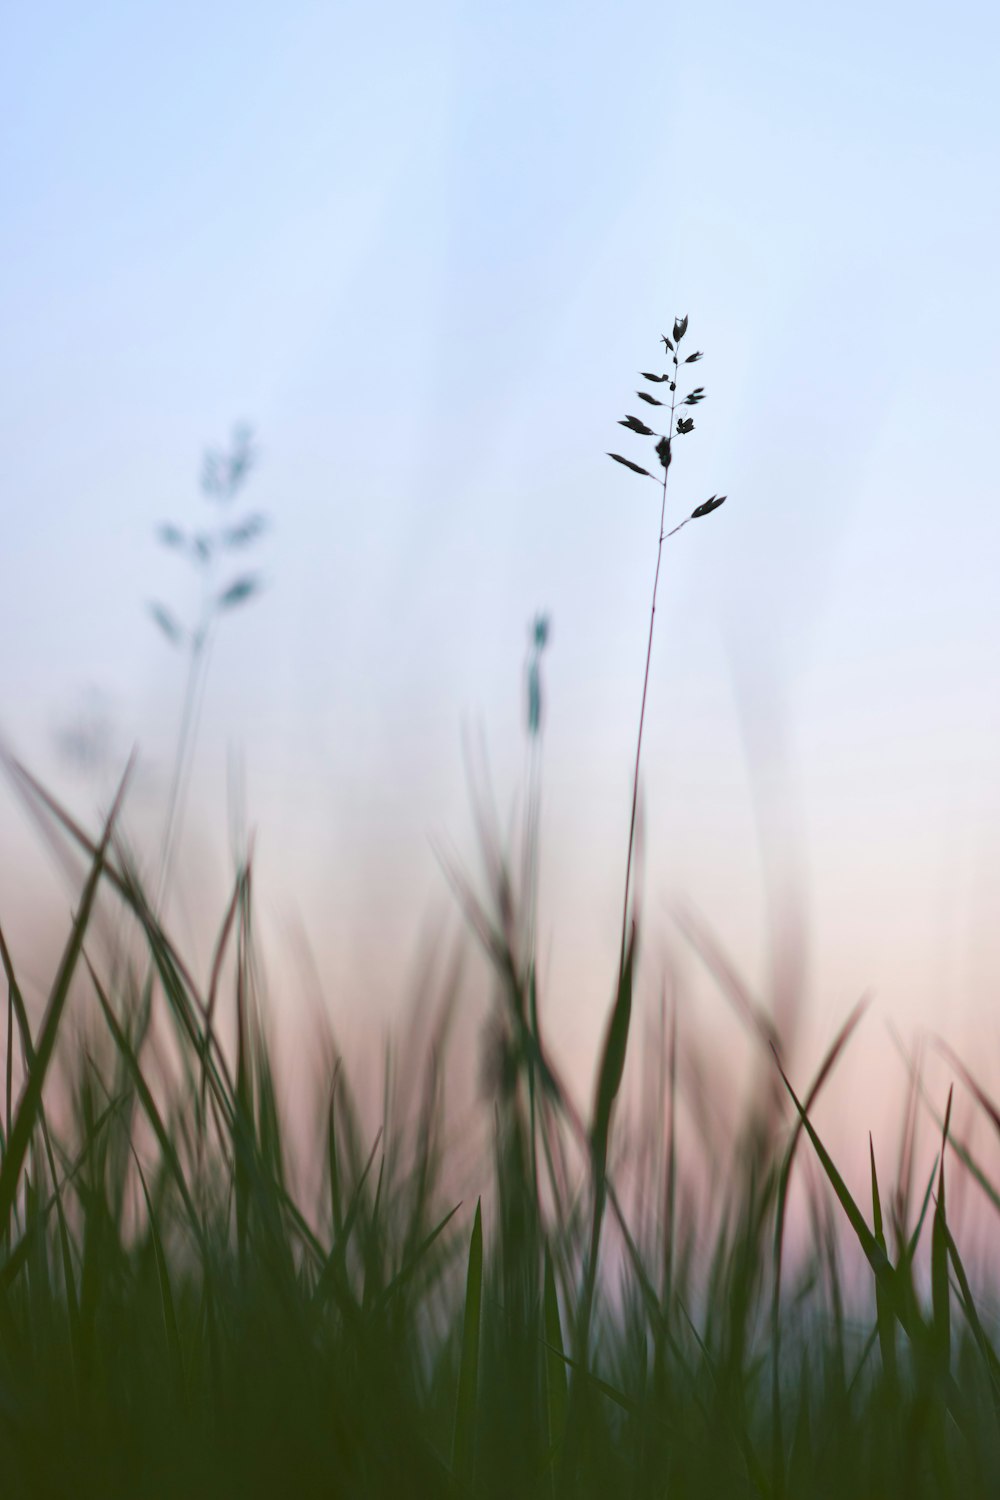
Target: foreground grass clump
x,y
177,1317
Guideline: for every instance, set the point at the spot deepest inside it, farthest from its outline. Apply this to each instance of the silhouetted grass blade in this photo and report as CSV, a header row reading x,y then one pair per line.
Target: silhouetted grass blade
x,y
463,1447
612,1065
940,1296
885,1319
166,1292
874,1254
31,1098
556,1387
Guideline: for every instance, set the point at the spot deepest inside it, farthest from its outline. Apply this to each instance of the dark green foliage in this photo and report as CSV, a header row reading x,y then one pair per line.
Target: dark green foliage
x,y
883,1305
612,1068
463,1448
200,1297
940,1295
177,1319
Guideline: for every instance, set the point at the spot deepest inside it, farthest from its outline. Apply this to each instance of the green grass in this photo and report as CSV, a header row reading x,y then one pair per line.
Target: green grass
x,y
177,1317
607,1308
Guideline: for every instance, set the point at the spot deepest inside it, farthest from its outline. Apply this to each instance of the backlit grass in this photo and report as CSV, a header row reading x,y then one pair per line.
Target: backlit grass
x,y
177,1318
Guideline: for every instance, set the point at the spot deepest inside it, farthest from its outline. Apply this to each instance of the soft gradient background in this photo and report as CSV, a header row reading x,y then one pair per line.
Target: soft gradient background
x,y
424,251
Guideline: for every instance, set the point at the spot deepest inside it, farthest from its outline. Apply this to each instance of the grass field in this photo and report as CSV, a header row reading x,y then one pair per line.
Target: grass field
x,y
177,1317
198,1298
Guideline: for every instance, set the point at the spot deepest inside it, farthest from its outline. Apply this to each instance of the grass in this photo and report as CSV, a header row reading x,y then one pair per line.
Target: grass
x,y
196,1299
176,1316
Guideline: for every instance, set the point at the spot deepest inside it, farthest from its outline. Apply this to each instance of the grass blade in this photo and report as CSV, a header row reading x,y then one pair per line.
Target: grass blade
x,y
31,1098
144,1092
874,1254
784,1177
556,1386
940,1292
986,1349
885,1321
166,1293
463,1448
613,1060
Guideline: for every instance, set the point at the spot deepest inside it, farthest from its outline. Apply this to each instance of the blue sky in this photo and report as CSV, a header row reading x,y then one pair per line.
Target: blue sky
x,y
425,252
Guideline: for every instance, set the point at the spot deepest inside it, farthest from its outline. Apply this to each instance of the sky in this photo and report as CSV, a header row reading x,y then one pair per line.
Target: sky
x,y
424,251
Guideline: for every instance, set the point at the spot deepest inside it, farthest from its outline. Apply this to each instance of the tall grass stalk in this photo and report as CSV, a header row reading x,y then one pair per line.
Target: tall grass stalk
x,y
676,428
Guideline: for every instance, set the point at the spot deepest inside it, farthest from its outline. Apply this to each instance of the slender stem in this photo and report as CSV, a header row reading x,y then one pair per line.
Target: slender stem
x,y
645,682
529,883
182,757
224,488
190,716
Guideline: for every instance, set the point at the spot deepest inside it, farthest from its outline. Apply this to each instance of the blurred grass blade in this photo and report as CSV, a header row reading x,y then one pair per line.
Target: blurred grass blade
x,y
333,1155
18,1256
784,1177
31,1097
732,1415
613,1059
940,1293
618,1397
986,1349
332,1276
608,1083
863,1359
874,1254
555,1368
463,1448
9,1072
962,1151
166,1293
904,1266
978,1093
144,1092
413,1261
885,1319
